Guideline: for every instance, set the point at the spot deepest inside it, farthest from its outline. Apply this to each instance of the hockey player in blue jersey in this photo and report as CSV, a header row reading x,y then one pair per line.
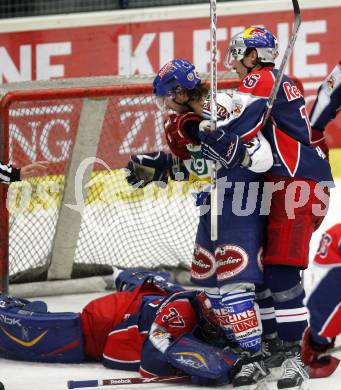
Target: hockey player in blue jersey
x,y
228,268
299,199
326,107
324,306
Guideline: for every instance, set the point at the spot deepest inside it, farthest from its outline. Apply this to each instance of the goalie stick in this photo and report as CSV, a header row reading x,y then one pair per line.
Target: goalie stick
x,y
213,80
126,381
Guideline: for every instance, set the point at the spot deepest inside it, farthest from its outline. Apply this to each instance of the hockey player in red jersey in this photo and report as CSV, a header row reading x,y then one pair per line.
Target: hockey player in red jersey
x,y
324,304
299,197
326,107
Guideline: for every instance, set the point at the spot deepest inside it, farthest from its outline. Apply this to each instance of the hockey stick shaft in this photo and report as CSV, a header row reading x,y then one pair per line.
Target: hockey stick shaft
x,y
213,79
126,381
285,59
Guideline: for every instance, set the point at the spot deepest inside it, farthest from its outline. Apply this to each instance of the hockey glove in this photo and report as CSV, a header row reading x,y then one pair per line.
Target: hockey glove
x,y
318,139
143,169
182,130
311,350
225,147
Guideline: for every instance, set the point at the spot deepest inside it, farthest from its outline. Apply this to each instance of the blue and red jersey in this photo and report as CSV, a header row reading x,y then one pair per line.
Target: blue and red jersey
x,y
324,303
131,330
328,101
288,129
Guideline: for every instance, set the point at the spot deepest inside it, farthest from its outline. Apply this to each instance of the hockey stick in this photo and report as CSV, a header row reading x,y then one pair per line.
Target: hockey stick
x,y
126,381
287,54
213,73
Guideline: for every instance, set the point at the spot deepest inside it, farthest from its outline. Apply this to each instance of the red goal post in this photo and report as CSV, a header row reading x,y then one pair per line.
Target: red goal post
x,y
83,212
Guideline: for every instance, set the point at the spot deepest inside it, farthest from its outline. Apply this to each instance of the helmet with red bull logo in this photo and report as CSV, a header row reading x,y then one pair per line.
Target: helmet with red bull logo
x,y
175,73
253,37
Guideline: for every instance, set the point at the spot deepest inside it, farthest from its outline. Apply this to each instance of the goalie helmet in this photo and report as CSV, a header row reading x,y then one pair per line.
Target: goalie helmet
x,y
253,37
176,73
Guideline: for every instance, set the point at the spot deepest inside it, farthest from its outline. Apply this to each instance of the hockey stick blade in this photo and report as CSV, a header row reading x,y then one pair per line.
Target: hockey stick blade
x,y
125,381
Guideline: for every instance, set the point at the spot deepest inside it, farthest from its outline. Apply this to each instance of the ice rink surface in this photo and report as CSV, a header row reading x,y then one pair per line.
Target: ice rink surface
x,y
38,376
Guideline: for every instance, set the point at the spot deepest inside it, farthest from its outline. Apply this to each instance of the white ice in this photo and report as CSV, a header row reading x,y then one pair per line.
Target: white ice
x,y
37,376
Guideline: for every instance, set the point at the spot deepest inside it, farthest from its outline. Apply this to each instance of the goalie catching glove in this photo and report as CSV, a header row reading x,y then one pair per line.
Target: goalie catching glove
x,y
143,169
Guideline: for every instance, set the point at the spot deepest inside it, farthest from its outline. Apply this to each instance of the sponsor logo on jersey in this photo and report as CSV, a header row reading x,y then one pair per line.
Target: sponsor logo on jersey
x,y
222,112
245,322
231,260
291,91
202,263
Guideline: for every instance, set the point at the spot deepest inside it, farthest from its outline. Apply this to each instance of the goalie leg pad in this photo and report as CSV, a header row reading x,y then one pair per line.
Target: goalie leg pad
x,y
205,363
29,332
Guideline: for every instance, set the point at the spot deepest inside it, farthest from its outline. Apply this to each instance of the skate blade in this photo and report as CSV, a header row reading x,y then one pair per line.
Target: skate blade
x,y
275,374
303,386
261,385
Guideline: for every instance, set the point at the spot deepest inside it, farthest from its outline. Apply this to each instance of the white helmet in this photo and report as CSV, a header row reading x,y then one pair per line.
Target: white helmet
x,y
254,37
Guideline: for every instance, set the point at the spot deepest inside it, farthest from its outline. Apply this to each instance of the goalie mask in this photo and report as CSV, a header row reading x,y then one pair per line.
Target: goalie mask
x,y
258,38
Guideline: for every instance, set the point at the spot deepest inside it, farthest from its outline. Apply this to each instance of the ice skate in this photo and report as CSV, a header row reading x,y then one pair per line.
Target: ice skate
x,y
272,348
252,374
294,374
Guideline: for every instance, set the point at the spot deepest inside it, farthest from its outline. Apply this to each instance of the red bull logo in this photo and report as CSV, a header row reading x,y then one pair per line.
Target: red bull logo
x,y
252,32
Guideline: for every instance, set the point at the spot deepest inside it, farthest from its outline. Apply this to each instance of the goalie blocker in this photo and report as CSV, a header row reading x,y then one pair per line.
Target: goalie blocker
x,y
177,345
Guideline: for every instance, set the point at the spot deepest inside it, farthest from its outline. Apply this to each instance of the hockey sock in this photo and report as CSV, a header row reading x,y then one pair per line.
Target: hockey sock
x,y
243,315
267,310
220,312
288,294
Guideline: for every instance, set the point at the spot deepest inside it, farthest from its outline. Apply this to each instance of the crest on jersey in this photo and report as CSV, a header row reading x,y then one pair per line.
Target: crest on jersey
x,y
331,82
174,318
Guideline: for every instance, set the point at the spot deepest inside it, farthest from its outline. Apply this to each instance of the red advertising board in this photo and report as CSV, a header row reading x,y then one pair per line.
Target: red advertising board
x,y
142,47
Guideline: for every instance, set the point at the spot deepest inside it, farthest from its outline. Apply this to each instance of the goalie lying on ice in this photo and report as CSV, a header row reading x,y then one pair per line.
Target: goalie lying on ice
x,y
149,324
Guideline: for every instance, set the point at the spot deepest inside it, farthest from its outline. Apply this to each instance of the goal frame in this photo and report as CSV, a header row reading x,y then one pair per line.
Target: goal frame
x,y
102,88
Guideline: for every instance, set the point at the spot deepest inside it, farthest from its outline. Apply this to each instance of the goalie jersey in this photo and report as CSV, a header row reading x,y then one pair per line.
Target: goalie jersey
x,y
324,303
288,130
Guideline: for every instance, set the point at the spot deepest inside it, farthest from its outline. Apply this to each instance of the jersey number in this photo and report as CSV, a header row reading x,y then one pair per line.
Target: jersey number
x,y
324,245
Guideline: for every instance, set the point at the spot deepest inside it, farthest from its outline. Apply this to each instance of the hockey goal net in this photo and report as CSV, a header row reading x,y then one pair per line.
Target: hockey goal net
x,y
83,212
